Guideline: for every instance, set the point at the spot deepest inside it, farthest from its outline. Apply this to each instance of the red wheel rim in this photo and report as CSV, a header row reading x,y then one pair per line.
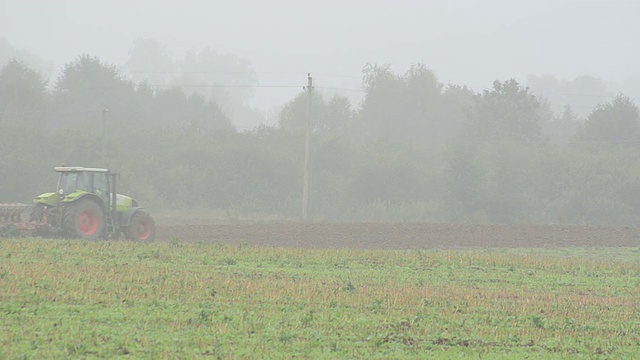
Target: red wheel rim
x,y
143,230
88,222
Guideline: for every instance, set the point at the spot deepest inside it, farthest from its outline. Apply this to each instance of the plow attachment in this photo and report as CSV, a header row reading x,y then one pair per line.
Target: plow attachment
x,y
15,220
11,213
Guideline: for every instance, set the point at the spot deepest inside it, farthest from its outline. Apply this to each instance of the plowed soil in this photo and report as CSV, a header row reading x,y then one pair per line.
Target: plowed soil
x,y
399,236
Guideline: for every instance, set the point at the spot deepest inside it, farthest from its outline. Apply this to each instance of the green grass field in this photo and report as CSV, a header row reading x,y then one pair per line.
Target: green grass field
x,y
61,299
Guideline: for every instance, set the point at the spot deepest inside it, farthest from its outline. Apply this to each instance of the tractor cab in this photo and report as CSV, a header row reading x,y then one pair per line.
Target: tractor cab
x,y
84,180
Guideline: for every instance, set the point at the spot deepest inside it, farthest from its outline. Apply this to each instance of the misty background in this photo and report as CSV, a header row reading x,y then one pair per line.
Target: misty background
x,y
493,111
464,42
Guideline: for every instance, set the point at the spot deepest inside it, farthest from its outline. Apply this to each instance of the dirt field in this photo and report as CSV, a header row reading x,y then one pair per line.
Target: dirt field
x,y
398,236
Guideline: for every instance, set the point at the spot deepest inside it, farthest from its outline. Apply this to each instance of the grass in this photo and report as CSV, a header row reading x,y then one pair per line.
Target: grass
x,y
62,298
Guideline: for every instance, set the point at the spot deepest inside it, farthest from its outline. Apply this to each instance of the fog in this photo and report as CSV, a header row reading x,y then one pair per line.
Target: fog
x,y
456,111
463,42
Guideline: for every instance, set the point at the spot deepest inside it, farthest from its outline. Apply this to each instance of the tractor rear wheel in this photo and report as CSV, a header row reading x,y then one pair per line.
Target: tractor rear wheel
x,y
84,219
141,228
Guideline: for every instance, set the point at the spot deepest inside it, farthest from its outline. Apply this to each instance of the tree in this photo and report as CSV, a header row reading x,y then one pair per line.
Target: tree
x,y
173,107
412,108
22,95
465,179
402,107
616,121
510,110
457,105
328,117
151,61
87,86
582,94
226,79
381,108
563,128
23,108
9,53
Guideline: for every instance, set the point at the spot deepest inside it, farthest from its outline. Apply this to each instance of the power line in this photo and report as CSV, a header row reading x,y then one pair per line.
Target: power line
x,y
49,112
204,72
341,76
225,86
250,86
178,72
213,72
608,141
341,89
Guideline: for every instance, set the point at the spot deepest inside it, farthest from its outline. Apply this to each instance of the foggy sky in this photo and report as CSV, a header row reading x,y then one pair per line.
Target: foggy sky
x,y
465,42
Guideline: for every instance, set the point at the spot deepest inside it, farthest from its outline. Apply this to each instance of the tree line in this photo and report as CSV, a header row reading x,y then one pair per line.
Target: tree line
x,y
414,149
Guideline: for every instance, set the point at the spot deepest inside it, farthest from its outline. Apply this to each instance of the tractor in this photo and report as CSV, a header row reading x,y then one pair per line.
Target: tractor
x,y
85,205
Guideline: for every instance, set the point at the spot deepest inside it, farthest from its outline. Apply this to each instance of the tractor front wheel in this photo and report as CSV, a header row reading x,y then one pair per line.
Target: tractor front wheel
x,y
85,219
36,212
141,228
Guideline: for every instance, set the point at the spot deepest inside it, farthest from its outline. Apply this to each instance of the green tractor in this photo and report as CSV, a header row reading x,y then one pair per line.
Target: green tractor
x,y
87,206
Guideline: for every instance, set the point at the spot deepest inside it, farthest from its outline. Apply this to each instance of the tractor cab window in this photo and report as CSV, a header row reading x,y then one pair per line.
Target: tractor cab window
x,y
85,181
101,186
72,181
68,182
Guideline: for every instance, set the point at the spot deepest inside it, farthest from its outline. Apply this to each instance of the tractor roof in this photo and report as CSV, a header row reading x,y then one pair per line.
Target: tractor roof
x,y
79,169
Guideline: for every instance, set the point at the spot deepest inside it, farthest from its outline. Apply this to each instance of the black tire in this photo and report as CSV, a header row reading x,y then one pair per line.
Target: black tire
x,y
141,227
84,219
36,212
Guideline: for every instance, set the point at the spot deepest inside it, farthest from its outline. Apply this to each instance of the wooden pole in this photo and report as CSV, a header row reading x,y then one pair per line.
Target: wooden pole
x,y
307,147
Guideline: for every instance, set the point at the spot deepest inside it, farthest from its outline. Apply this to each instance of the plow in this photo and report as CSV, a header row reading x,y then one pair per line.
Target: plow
x,y
12,212
85,205
15,220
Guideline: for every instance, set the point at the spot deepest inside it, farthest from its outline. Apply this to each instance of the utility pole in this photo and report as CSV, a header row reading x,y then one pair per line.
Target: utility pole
x,y
307,146
103,154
